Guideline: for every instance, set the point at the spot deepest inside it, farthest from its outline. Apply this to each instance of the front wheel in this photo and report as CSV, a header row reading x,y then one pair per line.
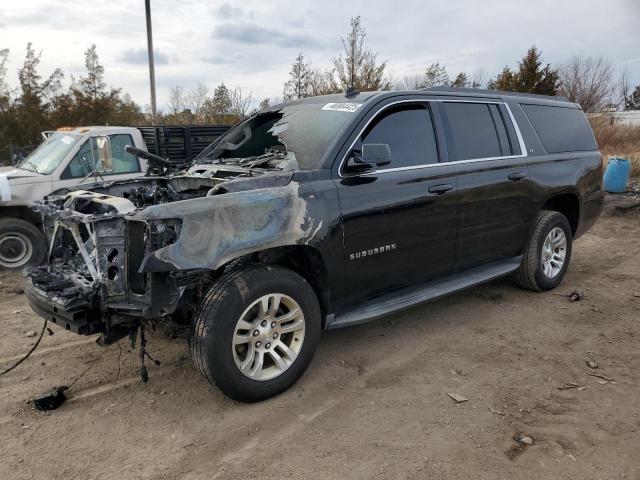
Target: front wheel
x,y
21,244
255,331
548,253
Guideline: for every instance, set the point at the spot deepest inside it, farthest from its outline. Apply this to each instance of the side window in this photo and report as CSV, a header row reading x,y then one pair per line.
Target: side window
x,y
84,162
408,130
561,129
471,131
123,162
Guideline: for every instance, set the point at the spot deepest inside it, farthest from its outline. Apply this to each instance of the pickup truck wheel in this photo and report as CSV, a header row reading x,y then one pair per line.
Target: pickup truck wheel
x,y
255,331
548,253
21,244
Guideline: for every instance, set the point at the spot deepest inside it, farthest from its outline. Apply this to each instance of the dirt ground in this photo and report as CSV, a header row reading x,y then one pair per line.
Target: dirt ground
x,y
374,403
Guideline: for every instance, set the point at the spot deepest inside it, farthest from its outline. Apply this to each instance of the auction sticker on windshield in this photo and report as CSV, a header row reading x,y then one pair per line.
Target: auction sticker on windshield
x,y
68,139
342,107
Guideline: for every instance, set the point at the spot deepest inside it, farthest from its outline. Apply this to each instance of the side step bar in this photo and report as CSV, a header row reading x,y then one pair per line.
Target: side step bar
x,y
415,295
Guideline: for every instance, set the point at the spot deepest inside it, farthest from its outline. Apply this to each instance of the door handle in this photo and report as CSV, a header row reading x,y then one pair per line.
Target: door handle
x,y
516,177
440,189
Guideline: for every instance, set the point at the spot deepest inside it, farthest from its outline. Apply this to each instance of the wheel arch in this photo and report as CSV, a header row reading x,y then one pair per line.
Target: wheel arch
x,y
568,204
305,260
21,212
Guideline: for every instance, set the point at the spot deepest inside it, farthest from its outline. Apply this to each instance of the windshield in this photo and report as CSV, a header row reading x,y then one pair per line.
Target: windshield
x,y
303,130
46,158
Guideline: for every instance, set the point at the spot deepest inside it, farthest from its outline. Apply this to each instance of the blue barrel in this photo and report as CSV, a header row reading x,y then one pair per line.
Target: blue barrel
x,y
616,175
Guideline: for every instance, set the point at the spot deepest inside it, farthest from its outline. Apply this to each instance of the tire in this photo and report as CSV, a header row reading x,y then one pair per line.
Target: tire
x,y
21,244
533,274
238,295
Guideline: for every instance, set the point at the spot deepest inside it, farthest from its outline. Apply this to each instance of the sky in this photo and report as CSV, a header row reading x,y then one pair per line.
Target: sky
x,y
251,44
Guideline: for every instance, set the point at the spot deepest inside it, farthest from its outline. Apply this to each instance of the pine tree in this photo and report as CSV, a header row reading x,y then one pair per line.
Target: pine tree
x,y
299,83
435,75
530,77
359,68
632,102
34,100
460,81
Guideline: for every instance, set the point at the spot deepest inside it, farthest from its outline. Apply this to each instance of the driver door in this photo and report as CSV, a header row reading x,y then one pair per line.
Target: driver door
x,y
400,220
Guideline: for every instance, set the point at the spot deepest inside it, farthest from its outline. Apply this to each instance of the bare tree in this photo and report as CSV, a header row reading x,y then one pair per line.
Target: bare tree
x,y
587,81
196,96
622,88
323,83
479,78
240,103
176,99
409,82
264,103
359,68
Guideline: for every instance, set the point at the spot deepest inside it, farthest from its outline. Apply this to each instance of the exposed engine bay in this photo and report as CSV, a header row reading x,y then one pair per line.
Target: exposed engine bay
x,y
100,240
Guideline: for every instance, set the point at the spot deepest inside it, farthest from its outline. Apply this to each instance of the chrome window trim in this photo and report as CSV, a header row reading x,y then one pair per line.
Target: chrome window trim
x,y
523,149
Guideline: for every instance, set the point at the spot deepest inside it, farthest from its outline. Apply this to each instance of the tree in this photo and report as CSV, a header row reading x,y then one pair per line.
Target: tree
x,y
264,103
409,82
33,104
93,85
587,81
359,68
632,101
176,99
240,103
323,83
195,98
435,75
530,76
4,87
460,81
299,83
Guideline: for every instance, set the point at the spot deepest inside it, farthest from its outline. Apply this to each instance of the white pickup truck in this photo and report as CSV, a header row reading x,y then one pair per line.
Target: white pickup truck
x,y
69,157
66,158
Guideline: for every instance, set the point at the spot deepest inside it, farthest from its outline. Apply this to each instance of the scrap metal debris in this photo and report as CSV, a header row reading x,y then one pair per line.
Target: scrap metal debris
x,y
51,399
457,398
568,386
574,296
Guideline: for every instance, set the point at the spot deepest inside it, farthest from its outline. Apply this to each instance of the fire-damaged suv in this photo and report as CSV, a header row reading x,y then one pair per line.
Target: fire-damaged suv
x,y
318,214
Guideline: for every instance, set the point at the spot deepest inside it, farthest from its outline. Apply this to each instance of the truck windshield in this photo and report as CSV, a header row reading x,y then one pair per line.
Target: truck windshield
x,y
305,130
48,156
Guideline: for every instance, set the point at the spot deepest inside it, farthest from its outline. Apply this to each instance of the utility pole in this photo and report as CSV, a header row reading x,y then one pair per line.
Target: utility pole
x,y
152,72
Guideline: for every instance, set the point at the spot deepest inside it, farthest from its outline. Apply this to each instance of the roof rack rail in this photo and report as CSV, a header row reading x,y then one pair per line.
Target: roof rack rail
x,y
486,91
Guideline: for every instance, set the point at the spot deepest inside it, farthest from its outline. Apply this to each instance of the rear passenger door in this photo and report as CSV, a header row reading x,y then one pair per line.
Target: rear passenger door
x,y
495,193
399,221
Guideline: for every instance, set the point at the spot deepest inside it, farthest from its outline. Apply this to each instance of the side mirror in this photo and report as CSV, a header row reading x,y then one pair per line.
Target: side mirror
x,y
378,154
105,160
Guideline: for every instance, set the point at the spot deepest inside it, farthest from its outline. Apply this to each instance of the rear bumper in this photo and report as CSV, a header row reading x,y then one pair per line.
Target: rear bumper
x,y
76,316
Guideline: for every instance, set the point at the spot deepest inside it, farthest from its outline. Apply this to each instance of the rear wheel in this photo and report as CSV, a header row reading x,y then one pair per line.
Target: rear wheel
x,y
256,331
548,253
21,244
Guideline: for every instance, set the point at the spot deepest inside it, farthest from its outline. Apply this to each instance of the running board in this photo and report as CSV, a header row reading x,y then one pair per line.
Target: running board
x,y
415,295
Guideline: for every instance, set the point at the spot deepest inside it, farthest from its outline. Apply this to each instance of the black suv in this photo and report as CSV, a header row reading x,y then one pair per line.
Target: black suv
x,y
323,213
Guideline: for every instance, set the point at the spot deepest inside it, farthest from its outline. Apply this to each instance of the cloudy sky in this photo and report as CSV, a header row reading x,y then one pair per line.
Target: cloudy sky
x,y
251,44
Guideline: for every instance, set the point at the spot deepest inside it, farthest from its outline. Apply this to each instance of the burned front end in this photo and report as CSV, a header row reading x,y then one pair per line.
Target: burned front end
x,y
93,281
139,253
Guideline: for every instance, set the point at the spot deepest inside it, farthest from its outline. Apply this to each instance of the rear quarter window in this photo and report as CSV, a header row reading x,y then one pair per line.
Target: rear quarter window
x,y
561,129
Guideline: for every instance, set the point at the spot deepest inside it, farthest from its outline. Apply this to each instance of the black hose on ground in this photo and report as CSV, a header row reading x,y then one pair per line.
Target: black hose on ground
x,y
12,367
